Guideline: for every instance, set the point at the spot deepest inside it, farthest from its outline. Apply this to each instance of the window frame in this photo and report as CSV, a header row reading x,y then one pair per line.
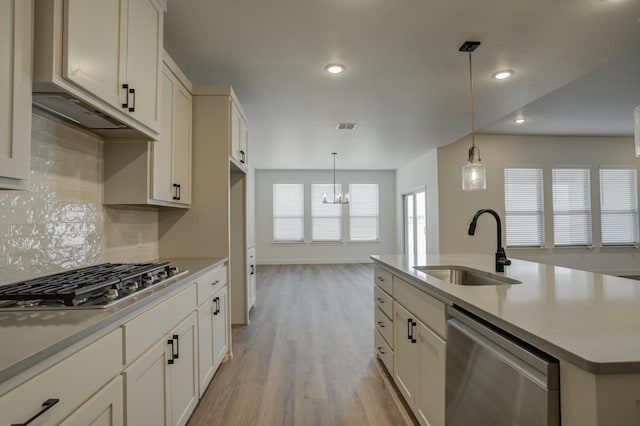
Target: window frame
x,y
587,202
313,217
633,190
539,214
274,217
352,216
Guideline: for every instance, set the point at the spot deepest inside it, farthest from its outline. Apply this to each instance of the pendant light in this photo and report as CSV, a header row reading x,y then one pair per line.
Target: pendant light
x,y
338,198
474,173
636,126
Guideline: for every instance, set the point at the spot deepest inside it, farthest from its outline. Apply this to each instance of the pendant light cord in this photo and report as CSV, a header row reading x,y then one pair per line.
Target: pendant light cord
x,y
473,139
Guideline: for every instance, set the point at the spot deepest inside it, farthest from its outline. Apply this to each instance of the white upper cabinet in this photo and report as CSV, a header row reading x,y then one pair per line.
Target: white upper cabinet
x,y
239,136
15,85
105,53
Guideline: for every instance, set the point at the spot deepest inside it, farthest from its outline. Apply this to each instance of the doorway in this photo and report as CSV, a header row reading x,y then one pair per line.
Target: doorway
x,y
415,223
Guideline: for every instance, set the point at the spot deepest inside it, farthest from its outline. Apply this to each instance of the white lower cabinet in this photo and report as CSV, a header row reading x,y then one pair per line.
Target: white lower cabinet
x,y
212,329
419,367
162,385
106,408
251,257
62,389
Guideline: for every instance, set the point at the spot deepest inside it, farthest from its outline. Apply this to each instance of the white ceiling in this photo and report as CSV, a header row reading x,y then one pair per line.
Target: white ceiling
x,y
406,84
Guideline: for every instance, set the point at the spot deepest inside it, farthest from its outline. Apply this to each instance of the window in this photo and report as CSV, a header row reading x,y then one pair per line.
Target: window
x,y
288,212
363,212
571,207
326,219
523,207
415,225
619,206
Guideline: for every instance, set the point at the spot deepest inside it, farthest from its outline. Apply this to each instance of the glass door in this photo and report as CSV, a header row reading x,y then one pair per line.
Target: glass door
x,y
415,223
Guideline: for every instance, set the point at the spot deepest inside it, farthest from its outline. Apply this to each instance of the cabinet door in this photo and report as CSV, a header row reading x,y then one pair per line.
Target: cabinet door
x,y
146,388
220,328
405,355
252,276
183,373
15,86
236,119
431,375
144,60
93,55
205,345
182,142
162,148
244,142
106,408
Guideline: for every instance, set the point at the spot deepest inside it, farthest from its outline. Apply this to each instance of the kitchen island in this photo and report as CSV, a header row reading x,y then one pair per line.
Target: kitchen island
x,y
588,321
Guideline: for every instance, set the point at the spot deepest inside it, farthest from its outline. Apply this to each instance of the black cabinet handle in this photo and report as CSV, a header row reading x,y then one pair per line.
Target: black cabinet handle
x,y
412,337
243,156
175,191
132,108
45,407
409,329
177,339
215,282
380,279
125,87
381,324
216,309
179,192
380,300
381,351
251,269
170,342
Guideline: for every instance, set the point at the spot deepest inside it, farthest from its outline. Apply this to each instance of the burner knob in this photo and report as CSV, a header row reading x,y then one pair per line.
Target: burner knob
x,y
173,270
111,294
162,275
147,281
132,286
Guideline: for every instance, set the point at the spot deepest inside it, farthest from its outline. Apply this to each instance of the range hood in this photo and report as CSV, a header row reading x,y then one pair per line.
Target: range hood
x,y
76,111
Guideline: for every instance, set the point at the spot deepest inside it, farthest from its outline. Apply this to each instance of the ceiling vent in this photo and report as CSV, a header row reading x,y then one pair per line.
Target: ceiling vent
x,y
346,126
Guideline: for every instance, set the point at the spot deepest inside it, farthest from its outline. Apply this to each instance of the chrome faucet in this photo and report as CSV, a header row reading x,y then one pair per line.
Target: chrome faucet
x,y
501,256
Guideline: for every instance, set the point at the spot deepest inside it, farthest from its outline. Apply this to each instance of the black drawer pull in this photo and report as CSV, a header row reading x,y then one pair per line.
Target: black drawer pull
x,y
380,300
177,339
125,87
381,351
380,279
45,407
215,282
381,324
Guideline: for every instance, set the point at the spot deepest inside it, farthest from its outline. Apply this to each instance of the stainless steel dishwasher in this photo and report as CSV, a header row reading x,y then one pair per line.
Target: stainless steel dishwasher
x,y
493,379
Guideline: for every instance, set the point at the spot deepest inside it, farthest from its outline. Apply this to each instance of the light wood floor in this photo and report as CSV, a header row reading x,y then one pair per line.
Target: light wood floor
x,y
307,357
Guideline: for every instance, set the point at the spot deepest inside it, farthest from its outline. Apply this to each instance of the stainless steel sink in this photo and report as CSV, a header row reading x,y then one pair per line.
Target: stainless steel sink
x,y
462,275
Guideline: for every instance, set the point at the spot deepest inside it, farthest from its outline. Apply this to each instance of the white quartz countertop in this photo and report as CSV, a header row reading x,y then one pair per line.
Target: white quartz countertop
x,y
591,320
29,337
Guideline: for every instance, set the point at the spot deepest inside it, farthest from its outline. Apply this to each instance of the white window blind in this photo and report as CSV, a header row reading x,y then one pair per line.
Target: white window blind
x,y
523,207
571,206
619,206
326,219
288,212
363,212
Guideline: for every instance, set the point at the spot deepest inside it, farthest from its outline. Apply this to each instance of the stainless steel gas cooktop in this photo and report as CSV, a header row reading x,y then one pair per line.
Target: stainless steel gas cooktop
x,y
94,287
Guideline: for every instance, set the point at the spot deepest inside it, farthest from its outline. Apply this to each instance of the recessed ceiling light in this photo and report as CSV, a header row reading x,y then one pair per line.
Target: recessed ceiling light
x,y
501,75
334,68
519,120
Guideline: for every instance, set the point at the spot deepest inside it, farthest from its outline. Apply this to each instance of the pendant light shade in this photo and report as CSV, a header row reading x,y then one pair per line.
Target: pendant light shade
x,y
636,126
474,173
339,197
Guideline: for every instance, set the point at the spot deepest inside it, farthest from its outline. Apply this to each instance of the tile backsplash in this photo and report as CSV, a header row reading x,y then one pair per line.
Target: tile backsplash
x,y
60,222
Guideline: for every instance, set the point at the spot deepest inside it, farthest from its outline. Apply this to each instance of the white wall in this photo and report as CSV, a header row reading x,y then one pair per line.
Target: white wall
x,y
458,207
419,173
268,252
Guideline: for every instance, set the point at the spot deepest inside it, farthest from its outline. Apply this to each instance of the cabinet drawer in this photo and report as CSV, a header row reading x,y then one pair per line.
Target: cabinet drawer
x,y
71,381
426,308
383,279
384,352
211,282
383,301
384,326
143,331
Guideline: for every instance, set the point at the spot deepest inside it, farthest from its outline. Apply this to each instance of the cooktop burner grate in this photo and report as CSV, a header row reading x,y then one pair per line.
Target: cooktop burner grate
x,y
86,285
